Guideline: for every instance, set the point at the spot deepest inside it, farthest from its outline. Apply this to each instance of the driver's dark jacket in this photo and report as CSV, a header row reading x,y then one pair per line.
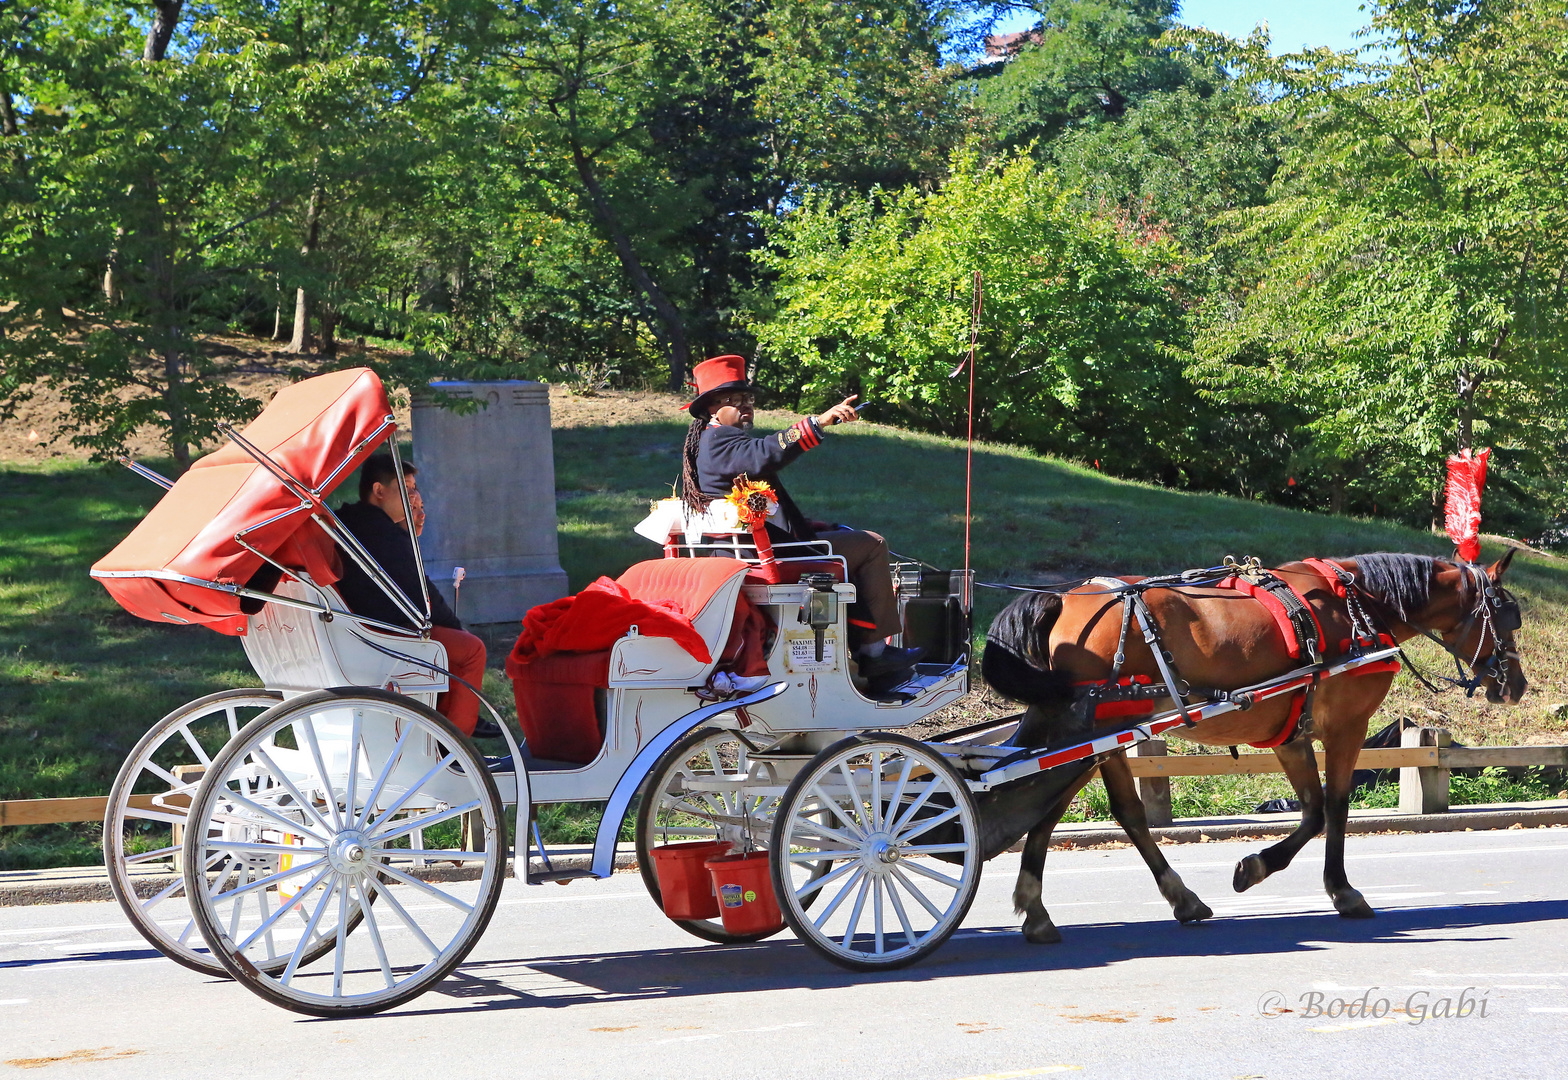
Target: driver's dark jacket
x,y
725,453
388,543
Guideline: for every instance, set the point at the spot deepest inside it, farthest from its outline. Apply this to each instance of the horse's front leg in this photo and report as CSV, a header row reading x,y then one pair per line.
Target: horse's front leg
x,y
1339,763
1038,928
1301,767
1127,808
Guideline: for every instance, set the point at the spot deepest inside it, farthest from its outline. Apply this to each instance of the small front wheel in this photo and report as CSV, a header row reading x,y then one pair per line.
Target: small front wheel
x,y
901,829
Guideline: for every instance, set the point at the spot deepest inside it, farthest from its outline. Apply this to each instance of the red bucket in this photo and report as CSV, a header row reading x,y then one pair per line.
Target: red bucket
x,y
684,883
745,893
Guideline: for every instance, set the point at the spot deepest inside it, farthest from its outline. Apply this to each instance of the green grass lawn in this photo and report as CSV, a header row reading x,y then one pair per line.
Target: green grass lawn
x,y
80,680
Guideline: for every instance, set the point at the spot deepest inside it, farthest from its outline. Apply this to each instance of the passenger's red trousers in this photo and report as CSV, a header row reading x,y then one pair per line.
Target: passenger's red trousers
x,y
465,657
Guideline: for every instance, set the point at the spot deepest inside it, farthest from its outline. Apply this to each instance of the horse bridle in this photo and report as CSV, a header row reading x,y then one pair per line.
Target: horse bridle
x,y
1498,610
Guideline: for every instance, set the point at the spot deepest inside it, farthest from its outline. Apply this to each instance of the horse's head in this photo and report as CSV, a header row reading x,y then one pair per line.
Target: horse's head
x,y
1483,635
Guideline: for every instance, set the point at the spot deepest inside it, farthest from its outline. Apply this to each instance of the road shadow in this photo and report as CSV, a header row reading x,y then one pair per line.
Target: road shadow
x,y
786,964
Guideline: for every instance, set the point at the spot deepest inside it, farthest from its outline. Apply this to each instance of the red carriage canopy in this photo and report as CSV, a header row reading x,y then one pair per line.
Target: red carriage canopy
x,y
318,430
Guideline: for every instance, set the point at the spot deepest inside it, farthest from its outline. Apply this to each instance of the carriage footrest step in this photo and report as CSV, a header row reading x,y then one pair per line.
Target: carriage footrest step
x,y
558,875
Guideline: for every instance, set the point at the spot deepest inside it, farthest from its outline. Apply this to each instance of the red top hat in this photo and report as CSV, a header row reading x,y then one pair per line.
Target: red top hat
x,y
713,376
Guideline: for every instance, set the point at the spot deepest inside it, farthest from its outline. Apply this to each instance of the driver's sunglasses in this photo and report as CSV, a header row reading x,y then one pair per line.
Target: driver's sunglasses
x,y
735,400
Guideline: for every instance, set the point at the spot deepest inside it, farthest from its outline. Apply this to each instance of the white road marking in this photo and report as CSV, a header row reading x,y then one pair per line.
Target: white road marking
x,y
14,1001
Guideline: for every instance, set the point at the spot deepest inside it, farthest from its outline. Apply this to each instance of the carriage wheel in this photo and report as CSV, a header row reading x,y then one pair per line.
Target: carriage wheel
x,y
672,812
902,826
341,797
163,770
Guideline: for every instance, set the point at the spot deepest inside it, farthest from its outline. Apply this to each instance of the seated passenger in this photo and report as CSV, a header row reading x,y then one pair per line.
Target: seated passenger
x,y
377,522
720,447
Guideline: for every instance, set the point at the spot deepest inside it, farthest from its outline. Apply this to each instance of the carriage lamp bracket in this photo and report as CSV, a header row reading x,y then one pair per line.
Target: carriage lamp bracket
x,y
820,610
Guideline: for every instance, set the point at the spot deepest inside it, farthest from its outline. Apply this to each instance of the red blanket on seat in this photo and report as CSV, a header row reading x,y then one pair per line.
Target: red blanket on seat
x,y
597,618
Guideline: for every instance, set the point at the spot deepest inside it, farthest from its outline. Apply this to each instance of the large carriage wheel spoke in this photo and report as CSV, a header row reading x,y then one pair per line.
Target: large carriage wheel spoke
x,y
927,824
341,950
879,940
308,723
283,909
353,772
911,939
812,886
855,879
306,805
854,914
288,823
915,891
876,799
382,777
838,812
926,871
310,928
421,821
427,888
397,804
190,740
374,929
402,914
148,856
855,801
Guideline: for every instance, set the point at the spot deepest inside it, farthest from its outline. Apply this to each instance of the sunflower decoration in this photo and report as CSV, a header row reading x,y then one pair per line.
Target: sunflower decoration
x,y
753,500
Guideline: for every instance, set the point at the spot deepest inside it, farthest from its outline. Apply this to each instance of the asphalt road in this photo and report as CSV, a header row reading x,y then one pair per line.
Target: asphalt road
x,y
591,981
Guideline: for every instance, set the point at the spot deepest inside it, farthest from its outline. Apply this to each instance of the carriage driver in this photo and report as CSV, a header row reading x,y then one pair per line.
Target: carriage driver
x,y
377,522
721,447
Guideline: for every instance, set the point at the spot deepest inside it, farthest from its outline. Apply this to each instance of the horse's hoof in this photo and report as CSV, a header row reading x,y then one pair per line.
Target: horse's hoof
x,y
1352,905
1192,910
1042,933
1249,872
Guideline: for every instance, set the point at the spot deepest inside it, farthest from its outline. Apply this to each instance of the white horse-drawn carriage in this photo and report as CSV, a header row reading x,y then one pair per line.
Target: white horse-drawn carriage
x,y
336,845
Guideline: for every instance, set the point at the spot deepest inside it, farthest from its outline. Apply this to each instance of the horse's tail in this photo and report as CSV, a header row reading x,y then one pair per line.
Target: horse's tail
x,y
1017,660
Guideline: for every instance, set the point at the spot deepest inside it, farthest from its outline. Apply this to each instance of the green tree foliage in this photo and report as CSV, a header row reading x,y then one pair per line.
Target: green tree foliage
x,y
1081,313
1404,285
132,188
1087,60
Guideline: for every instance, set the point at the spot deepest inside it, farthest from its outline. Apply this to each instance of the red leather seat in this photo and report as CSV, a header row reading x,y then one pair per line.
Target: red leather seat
x,y
689,582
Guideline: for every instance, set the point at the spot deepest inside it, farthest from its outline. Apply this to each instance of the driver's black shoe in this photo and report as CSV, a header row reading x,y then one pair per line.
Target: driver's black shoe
x,y
486,729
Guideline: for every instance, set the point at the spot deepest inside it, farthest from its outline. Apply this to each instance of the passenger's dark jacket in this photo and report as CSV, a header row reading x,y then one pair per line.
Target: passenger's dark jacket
x,y
388,544
726,452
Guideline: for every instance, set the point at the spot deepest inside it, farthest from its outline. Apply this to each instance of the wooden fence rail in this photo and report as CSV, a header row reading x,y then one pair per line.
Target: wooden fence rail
x,y
1424,771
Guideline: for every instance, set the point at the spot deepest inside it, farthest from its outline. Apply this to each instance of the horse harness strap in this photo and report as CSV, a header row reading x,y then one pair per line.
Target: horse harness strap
x,y
1123,696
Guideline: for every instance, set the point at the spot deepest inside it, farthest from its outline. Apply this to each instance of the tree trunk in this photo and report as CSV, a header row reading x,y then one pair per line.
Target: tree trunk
x,y
166,14
179,425
301,341
9,129
1467,385
674,329
1336,495
327,320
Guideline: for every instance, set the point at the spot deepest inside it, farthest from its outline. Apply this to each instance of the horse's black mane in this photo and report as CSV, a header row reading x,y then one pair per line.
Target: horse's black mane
x,y
1402,582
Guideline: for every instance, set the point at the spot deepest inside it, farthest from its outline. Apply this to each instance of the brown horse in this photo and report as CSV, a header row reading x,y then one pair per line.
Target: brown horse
x,y
1043,643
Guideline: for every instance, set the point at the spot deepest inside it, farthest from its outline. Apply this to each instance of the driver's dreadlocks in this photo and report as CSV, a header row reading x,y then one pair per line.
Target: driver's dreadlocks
x,y
691,492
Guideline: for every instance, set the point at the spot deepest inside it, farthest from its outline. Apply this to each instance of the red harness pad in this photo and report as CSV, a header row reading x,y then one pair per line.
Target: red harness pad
x,y
1272,604
1111,709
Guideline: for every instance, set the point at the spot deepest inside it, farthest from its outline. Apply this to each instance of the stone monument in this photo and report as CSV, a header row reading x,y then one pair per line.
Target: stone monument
x,y
488,480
